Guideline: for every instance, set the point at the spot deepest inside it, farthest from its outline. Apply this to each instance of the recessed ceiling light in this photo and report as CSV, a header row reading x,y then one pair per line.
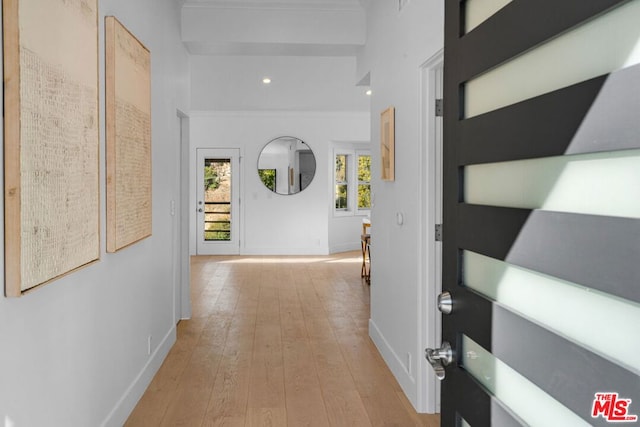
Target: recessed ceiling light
x,y
266,80
368,92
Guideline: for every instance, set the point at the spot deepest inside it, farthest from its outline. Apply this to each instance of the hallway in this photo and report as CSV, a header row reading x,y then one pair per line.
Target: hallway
x,y
276,341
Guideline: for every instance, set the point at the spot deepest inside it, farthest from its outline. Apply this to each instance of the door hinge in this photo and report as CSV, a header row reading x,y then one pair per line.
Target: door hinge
x,y
439,107
438,232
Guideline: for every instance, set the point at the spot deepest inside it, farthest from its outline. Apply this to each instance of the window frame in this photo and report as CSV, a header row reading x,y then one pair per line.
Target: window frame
x,y
352,153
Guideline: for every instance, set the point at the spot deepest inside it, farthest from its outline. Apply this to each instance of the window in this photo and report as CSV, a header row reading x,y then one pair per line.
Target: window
x,y
364,181
352,181
342,183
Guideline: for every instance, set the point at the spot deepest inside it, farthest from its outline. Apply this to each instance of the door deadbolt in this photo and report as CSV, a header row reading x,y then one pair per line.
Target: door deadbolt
x,y
445,302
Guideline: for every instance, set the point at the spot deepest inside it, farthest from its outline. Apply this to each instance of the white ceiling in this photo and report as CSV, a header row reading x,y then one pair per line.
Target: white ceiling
x,y
268,27
302,4
307,47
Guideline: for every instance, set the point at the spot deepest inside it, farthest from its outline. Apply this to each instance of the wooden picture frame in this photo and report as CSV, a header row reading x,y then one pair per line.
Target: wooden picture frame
x,y
128,131
387,144
51,140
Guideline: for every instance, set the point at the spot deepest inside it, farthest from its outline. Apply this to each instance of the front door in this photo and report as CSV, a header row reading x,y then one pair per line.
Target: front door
x,y
541,250
218,201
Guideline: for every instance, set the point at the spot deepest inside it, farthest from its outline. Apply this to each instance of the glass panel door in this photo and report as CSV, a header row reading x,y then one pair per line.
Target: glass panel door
x,y
541,221
217,201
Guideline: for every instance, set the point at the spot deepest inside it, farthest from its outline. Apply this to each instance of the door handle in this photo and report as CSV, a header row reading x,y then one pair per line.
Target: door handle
x,y
200,210
439,358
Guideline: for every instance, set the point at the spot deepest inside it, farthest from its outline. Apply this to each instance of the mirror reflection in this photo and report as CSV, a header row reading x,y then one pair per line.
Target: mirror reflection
x,y
286,165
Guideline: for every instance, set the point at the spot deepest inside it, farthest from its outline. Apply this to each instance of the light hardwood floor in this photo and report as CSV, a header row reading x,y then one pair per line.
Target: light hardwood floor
x,y
276,341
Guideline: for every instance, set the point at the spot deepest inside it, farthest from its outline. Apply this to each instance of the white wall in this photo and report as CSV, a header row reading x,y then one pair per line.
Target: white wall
x,y
74,353
398,43
273,223
344,233
298,83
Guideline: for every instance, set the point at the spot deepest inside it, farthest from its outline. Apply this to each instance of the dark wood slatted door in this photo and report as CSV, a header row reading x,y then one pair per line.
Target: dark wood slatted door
x,y
541,212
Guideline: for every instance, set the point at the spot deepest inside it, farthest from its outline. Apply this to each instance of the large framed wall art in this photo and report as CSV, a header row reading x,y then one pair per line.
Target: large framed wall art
x,y
51,140
128,148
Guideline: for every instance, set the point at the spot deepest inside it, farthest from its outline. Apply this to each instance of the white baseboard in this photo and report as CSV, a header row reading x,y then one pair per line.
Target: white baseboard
x,y
285,251
119,414
396,365
345,247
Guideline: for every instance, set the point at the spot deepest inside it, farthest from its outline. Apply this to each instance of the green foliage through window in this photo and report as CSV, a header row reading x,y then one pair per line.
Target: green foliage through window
x,y
364,182
211,178
268,177
341,194
341,168
364,168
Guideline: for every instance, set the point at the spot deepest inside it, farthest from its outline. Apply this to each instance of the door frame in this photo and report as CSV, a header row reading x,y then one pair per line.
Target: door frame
x,y
226,248
182,211
430,251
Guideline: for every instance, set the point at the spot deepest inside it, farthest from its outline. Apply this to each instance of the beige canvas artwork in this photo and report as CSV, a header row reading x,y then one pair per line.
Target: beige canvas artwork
x,y
128,115
387,144
52,199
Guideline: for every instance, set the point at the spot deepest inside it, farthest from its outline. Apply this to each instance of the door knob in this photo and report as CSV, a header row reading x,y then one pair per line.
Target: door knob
x,y
445,302
200,210
439,358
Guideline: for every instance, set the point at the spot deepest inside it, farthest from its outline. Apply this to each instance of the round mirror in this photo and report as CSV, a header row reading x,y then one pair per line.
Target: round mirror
x,y
286,165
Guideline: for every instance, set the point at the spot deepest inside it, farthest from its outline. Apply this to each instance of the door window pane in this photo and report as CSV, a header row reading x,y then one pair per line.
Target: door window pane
x,y
217,199
478,11
597,184
598,47
541,297
501,381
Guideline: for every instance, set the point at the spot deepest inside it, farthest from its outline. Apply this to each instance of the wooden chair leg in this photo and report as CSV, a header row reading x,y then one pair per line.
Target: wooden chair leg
x,y
368,270
363,270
